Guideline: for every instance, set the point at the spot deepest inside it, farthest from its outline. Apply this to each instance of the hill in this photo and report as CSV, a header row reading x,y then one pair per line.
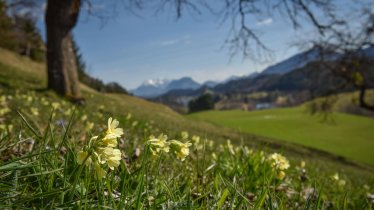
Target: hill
x,y
346,135
41,164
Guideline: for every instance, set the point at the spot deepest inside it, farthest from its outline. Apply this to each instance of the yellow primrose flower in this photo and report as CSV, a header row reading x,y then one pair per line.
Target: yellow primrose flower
x,y
4,111
2,99
68,112
279,162
84,118
55,105
302,164
159,144
134,124
111,156
128,117
113,131
184,135
214,156
100,172
281,175
341,182
89,126
195,140
110,142
210,143
180,149
230,147
34,111
335,177
81,157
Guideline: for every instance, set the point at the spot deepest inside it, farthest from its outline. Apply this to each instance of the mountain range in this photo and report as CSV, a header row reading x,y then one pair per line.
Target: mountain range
x,y
277,76
155,87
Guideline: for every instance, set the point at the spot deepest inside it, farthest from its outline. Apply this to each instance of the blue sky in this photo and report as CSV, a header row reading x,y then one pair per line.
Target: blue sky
x,y
129,49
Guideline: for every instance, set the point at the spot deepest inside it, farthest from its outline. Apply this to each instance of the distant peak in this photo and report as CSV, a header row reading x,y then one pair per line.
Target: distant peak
x,y
155,82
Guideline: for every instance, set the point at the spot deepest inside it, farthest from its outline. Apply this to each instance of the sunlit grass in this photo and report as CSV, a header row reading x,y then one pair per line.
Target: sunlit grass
x,y
343,134
41,136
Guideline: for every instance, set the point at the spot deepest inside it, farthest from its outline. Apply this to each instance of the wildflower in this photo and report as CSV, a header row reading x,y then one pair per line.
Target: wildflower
x,y
180,149
302,164
279,162
281,175
10,127
214,156
100,172
341,183
102,149
2,100
111,156
84,118
128,117
159,144
335,177
134,124
82,156
113,131
4,111
230,147
68,112
195,140
110,142
89,126
34,111
55,105
210,143
184,135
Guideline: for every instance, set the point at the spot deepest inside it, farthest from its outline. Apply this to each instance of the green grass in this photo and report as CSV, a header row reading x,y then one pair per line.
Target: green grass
x,y
39,153
346,135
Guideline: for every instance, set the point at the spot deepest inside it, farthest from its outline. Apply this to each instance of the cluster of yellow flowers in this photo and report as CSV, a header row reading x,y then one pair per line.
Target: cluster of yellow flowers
x,y
101,151
335,177
280,164
161,144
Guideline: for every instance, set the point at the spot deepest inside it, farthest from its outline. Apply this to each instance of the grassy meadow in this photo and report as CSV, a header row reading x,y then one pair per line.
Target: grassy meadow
x,y
347,135
56,155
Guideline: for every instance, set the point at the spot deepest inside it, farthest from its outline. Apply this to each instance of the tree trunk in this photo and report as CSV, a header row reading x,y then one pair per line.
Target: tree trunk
x,y
362,101
61,17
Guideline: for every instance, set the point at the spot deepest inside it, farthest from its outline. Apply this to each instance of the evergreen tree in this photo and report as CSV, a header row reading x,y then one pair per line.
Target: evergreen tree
x,y
203,102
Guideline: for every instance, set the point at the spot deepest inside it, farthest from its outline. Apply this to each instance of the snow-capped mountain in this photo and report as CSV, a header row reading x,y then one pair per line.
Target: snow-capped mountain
x,y
155,87
152,87
156,82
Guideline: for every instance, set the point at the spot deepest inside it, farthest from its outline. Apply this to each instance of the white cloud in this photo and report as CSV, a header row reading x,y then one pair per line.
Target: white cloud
x,y
265,22
169,42
186,39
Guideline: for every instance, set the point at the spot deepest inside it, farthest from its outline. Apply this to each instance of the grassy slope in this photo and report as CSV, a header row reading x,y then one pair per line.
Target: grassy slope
x,y
23,74
350,136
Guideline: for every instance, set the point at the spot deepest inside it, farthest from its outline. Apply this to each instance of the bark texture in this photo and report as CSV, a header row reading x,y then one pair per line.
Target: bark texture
x,y
61,17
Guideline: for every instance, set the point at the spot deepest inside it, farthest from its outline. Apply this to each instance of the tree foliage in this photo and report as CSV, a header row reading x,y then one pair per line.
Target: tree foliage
x,y
203,102
20,34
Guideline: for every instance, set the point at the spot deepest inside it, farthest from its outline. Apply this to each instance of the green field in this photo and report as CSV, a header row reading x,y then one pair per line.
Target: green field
x,y
349,136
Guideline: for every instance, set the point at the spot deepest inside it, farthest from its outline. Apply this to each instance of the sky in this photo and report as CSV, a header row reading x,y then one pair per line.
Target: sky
x,y
130,49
